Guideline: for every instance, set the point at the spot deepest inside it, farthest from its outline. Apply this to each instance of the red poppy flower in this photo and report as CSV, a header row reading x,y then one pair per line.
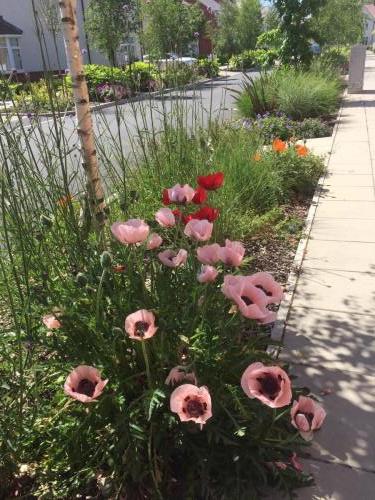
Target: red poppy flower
x,y
166,199
208,213
211,182
200,196
187,218
177,213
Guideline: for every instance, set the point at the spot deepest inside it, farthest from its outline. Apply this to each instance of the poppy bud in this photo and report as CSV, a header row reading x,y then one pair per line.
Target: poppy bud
x,y
46,221
117,331
105,260
81,280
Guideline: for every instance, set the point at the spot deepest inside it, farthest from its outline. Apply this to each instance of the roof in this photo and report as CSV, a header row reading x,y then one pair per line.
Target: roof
x,y
8,29
370,9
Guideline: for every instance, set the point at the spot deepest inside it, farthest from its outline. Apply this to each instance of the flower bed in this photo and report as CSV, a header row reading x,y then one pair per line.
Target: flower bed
x,y
145,370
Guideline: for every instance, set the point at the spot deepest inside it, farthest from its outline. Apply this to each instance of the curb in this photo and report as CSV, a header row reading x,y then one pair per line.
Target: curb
x,y
278,329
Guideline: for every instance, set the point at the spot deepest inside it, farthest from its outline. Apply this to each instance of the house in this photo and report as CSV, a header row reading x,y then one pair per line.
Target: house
x,y
20,47
369,23
210,9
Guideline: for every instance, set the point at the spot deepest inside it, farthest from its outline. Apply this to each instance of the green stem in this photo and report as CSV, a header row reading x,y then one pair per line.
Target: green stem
x,y
99,297
147,364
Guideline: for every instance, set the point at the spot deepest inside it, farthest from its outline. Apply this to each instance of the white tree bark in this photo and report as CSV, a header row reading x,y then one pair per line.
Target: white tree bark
x,y
82,106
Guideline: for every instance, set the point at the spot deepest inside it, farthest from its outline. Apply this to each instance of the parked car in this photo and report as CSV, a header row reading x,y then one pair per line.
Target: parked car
x,y
171,57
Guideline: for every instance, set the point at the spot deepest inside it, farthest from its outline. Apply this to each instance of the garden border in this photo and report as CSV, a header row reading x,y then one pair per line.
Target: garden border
x,y
278,329
96,107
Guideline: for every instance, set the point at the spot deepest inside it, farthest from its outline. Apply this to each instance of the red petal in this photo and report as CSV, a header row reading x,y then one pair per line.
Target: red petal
x,y
211,181
166,200
200,196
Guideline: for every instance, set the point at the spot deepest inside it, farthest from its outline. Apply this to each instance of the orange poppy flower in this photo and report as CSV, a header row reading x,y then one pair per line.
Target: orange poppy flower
x,y
257,156
118,268
301,150
279,146
62,202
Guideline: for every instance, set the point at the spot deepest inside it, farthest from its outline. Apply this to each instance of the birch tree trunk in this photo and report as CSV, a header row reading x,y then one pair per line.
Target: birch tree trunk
x,y
83,113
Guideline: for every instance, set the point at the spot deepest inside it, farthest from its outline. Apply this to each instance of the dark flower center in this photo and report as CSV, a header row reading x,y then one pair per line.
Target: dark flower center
x,y
247,301
86,387
309,416
141,328
194,408
268,293
270,386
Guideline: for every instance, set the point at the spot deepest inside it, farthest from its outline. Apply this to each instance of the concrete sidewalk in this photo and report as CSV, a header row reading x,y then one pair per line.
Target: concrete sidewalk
x,y
330,331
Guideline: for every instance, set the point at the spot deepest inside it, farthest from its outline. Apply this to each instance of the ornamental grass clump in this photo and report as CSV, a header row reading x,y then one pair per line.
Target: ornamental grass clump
x,y
169,390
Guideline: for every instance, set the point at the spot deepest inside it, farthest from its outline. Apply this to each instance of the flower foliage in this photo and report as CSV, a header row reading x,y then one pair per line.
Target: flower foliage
x,y
168,383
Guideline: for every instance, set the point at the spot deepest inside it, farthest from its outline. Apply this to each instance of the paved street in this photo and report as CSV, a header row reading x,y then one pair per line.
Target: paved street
x,y
124,124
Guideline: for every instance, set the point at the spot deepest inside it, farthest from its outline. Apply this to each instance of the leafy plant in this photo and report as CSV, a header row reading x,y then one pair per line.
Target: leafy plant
x,y
296,93
208,67
280,126
177,74
296,17
336,57
257,95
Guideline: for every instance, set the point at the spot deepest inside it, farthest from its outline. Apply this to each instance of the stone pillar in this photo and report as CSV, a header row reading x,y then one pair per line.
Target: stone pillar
x,y
356,68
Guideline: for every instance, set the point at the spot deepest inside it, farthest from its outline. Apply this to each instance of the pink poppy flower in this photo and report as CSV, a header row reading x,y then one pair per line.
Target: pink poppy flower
x,y
84,383
191,403
269,384
296,463
232,253
307,416
207,274
280,465
171,258
199,230
154,241
208,254
179,374
266,283
140,325
179,194
131,231
250,300
51,322
165,217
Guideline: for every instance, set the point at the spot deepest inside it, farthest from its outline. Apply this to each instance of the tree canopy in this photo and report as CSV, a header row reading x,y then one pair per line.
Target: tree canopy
x,y
170,26
239,25
108,23
297,28
339,22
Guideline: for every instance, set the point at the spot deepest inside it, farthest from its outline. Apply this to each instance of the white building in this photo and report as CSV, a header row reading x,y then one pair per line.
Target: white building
x,y
369,23
19,45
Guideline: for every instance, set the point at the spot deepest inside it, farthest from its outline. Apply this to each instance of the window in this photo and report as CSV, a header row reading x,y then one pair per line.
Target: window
x,y
10,54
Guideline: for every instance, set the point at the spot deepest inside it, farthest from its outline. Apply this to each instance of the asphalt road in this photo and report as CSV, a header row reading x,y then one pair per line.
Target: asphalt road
x,y
119,129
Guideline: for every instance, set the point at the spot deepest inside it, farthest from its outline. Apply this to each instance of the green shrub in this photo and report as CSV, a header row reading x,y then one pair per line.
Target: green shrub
x,y
38,96
141,75
257,95
311,128
251,58
336,57
178,74
208,67
271,39
299,174
282,127
299,94
306,94
8,90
